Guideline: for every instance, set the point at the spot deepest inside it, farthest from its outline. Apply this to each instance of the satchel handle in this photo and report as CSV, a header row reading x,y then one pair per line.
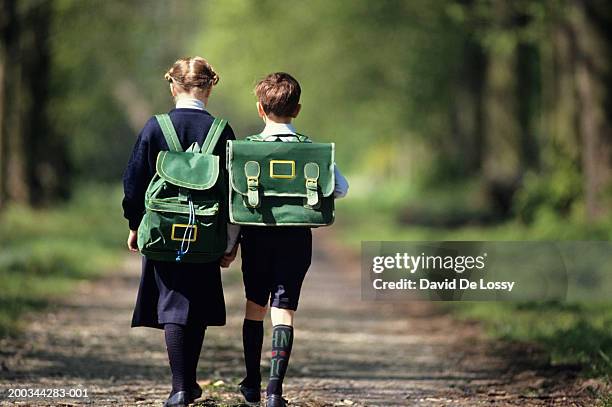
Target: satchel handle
x,y
299,137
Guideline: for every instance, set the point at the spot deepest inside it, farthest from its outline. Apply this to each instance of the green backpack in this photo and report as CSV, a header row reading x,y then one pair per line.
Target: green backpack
x,y
281,183
185,217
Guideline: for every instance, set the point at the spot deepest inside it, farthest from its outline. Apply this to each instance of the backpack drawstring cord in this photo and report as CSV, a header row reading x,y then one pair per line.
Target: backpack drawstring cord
x,y
190,226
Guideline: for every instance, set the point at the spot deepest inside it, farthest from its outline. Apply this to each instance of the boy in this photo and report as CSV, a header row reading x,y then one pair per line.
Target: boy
x,y
274,259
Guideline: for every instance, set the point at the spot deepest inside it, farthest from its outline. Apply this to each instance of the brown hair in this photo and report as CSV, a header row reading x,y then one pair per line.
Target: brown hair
x,y
278,93
193,72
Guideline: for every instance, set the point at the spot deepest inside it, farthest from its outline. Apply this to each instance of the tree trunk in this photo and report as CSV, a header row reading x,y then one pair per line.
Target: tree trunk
x,y
561,112
46,156
8,42
508,150
15,176
592,73
528,93
467,110
33,161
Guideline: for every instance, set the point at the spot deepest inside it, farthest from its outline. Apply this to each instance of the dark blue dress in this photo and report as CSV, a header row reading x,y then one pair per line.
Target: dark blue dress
x,y
169,292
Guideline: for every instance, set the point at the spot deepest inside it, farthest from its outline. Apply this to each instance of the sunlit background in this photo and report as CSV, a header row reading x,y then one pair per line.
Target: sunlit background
x,y
453,119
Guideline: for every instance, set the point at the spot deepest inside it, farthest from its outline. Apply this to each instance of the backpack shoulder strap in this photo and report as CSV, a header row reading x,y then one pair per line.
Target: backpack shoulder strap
x,y
169,133
213,135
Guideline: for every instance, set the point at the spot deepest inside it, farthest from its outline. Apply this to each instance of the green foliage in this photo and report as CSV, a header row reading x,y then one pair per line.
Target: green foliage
x,y
421,92
108,61
559,192
572,333
45,252
372,74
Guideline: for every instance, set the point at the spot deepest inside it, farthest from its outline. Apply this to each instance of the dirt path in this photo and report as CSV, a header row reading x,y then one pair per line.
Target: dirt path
x,y
347,352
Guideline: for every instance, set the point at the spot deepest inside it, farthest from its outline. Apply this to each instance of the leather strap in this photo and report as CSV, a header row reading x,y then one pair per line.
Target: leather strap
x,y
214,133
299,138
311,173
303,139
183,194
252,171
167,129
255,137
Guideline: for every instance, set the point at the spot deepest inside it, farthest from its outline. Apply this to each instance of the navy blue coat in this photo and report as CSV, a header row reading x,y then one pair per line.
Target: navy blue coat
x,y
169,292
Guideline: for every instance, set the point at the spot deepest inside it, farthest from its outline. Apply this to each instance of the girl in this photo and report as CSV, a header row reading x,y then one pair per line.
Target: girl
x,y
180,298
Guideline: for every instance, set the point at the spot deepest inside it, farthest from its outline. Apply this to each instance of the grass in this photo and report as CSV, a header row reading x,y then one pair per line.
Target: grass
x,y
572,334
45,252
605,401
388,211
579,333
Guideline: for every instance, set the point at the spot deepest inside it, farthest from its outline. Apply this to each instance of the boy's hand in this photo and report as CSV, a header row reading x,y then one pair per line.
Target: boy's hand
x,y
132,241
228,258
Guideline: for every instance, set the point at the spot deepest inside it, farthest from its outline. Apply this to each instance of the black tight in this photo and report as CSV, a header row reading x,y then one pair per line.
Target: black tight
x,y
184,343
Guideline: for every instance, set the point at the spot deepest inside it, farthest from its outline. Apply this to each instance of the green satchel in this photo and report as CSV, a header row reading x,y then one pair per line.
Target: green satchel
x,y
185,217
281,183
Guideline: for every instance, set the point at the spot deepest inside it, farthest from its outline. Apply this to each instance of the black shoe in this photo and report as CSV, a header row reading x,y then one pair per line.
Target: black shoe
x,y
178,399
276,400
252,395
195,392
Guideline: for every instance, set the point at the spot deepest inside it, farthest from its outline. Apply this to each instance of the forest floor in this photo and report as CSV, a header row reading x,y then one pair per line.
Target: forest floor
x,y
347,352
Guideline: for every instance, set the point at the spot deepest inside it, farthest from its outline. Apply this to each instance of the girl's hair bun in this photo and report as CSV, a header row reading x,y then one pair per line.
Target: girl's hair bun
x,y
192,72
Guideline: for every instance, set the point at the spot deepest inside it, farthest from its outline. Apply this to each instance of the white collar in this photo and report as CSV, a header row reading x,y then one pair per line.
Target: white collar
x,y
273,129
189,103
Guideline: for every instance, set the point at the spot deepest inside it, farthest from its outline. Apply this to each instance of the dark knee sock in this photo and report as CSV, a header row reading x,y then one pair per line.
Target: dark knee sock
x,y
193,346
282,341
175,345
252,341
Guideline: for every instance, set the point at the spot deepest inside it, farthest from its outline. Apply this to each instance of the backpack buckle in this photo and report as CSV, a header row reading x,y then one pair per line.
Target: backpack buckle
x,y
311,183
311,173
252,182
184,195
252,171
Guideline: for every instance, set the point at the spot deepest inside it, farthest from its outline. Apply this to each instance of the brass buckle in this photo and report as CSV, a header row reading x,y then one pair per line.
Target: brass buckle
x,y
311,183
252,181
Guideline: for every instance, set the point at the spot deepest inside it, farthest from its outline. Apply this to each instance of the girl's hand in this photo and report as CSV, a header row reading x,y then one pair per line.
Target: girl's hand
x,y
132,241
228,258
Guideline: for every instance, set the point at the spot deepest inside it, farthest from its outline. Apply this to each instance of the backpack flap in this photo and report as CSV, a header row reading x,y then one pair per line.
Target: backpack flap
x,y
281,169
188,170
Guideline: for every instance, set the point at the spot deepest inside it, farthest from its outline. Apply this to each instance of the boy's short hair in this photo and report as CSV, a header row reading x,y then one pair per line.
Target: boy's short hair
x,y
278,93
